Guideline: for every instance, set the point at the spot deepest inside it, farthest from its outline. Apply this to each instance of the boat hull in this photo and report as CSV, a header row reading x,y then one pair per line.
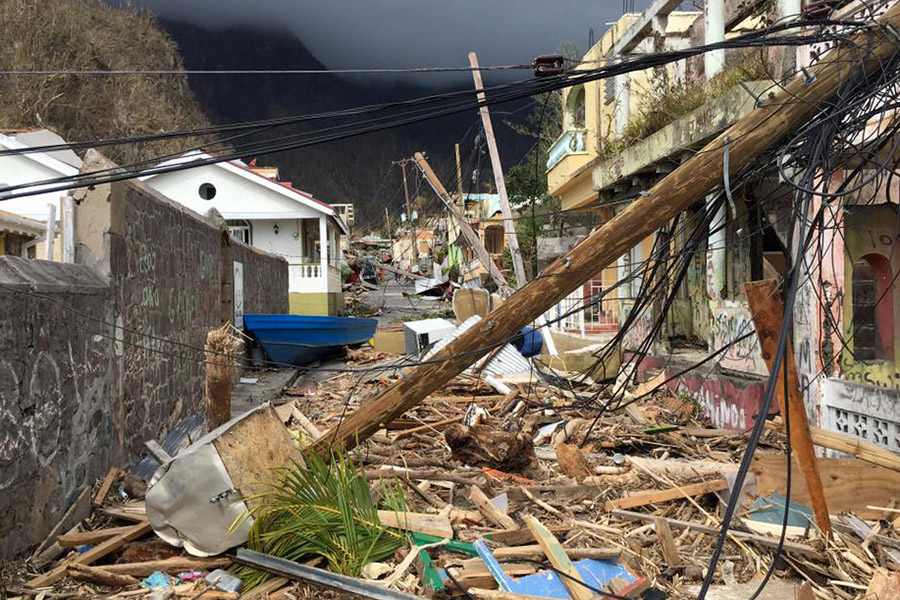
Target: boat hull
x,y
298,339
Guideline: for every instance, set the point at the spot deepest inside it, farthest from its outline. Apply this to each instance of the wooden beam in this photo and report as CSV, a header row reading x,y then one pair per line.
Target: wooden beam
x,y
762,540
768,315
667,543
557,556
509,226
89,556
100,497
73,540
468,233
174,564
784,111
658,496
491,512
862,450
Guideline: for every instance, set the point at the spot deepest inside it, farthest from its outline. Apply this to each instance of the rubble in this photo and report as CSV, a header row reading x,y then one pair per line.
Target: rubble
x,y
489,511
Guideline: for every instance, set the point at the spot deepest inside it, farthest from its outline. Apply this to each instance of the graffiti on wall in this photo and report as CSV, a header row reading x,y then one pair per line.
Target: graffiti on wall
x,y
731,323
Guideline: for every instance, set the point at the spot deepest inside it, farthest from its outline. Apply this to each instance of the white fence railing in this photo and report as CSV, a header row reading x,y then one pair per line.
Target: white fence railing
x,y
581,313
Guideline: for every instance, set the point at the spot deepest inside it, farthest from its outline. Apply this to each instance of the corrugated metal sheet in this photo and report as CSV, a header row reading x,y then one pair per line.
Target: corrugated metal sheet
x,y
505,362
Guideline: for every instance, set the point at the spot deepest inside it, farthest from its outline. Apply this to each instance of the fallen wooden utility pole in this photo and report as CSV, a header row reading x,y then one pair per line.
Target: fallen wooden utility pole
x,y
509,226
768,312
464,227
777,115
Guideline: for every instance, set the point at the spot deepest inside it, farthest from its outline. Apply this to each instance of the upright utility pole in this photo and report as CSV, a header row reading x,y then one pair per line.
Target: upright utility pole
x,y
508,224
760,130
409,216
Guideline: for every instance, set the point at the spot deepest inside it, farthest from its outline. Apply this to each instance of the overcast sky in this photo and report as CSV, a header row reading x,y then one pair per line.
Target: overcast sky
x,y
406,33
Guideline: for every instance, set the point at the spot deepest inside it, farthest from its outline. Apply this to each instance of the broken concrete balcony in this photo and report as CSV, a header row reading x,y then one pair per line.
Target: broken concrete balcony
x,y
640,166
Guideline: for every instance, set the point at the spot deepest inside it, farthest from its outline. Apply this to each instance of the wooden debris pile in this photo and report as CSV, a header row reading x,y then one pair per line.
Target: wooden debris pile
x,y
535,481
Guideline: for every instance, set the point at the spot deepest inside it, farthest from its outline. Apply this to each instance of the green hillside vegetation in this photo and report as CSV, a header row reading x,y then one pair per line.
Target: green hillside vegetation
x,y
88,35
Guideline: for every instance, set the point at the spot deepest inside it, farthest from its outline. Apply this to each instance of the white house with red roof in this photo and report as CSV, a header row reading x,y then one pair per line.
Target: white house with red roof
x,y
271,215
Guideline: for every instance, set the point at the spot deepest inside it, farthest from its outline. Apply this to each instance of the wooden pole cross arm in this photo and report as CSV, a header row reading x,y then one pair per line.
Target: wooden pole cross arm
x,y
777,116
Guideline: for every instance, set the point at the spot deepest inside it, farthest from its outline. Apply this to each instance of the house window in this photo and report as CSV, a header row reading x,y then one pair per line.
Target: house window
x,y
873,308
575,108
241,231
207,191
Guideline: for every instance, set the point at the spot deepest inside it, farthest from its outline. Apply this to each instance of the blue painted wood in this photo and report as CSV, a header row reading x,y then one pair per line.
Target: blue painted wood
x,y
298,339
549,584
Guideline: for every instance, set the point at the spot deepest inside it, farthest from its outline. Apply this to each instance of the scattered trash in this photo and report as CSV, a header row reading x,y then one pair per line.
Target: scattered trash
x,y
158,579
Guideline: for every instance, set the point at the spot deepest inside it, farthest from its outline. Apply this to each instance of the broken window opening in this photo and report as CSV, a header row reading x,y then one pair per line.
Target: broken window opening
x,y
873,308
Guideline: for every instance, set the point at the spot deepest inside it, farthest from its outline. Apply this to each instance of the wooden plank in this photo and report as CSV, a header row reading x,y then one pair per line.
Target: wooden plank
x,y
768,315
849,445
852,485
436,426
262,591
99,576
491,512
80,538
175,564
523,535
437,525
556,554
86,558
778,114
762,540
658,496
79,510
100,496
535,551
667,543
133,514
157,451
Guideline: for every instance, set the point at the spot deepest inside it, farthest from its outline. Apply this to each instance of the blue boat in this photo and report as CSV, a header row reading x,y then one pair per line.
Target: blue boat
x,y
298,339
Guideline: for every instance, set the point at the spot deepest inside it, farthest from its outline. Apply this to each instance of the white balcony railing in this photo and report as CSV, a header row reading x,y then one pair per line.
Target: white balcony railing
x,y
572,141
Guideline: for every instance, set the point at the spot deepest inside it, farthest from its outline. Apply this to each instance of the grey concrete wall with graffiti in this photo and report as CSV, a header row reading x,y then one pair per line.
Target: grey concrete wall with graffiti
x,y
96,358
57,410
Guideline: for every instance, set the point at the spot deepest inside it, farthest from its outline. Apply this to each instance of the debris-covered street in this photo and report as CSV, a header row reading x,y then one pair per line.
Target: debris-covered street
x,y
384,301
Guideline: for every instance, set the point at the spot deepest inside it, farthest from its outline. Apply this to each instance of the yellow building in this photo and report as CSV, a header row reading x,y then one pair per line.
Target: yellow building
x,y
597,114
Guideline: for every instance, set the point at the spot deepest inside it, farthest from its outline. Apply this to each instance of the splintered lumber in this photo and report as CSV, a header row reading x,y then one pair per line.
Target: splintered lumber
x,y
778,114
100,497
99,576
657,496
491,512
157,451
762,540
768,315
89,556
849,445
523,535
262,591
426,474
476,574
80,538
536,551
572,462
49,549
557,556
436,525
436,426
667,543
175,564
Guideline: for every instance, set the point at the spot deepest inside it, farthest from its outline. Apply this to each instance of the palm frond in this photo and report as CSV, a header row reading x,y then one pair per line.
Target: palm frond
x,y
325,509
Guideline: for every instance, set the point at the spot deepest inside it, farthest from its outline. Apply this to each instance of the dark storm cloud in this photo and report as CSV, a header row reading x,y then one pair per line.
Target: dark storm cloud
x,y
407,33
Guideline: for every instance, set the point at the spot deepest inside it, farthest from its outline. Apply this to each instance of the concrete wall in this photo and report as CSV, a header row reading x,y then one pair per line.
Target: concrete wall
x,y
58,411
78,395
